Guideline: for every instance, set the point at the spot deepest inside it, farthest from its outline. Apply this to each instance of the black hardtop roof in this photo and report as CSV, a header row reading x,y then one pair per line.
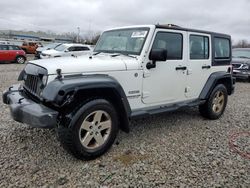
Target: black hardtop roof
x,y
176,27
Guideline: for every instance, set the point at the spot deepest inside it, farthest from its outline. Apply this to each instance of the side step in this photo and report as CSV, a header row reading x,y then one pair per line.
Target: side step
x,y
162,109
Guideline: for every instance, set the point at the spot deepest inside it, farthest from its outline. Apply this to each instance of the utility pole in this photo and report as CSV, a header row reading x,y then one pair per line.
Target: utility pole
x,y
78,34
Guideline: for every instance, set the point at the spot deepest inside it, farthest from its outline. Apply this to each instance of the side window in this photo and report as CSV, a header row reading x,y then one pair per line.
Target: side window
x,y
71,49
199,47
11,48
222,48
82,48
14,48
172,42
4,47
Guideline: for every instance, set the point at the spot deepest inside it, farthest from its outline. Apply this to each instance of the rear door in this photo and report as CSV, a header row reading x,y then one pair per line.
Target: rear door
x,y
4,53
199,63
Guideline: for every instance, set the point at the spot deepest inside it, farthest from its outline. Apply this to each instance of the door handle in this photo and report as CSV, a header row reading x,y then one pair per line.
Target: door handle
x,y
206,67
180,68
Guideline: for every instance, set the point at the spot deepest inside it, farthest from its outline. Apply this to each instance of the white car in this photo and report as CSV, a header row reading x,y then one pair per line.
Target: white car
x,y
66,50
39,50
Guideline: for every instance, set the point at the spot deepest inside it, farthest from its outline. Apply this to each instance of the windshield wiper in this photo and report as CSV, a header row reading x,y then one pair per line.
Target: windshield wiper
x,y
96,53
118,54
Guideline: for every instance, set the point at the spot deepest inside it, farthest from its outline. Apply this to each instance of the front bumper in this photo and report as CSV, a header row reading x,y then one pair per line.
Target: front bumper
x,y
241,74
37,55
27,111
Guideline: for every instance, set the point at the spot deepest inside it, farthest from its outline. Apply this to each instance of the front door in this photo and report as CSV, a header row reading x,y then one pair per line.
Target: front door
x,y
166,82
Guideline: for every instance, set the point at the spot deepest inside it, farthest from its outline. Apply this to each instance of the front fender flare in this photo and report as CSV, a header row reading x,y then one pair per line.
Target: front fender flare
x,y
56,91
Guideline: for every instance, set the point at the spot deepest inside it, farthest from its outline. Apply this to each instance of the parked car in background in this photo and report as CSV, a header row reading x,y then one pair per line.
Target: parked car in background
x,y
66,50
241,63
30,47
4,42
39,50
12,53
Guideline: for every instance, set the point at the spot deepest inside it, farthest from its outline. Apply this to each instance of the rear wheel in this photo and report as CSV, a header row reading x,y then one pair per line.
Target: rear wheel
x,y
94,131
20,59
216,103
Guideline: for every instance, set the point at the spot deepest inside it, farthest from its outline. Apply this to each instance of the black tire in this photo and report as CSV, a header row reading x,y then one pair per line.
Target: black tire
x,y
249,79
20,59
70,136
207,110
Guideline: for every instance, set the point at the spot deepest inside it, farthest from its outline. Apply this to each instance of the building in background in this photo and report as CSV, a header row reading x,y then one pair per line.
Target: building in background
x,y
18,37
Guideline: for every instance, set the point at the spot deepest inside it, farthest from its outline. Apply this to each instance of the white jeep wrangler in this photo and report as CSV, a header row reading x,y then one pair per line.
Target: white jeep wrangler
x,y
133,72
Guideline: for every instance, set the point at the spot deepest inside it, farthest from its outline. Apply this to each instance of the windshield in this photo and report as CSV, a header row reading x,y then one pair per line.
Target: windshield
x,y
241,53
126,41
61,47
52,45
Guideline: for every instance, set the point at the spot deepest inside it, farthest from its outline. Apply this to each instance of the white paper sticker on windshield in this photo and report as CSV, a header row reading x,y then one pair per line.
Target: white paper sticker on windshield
x,y
139,34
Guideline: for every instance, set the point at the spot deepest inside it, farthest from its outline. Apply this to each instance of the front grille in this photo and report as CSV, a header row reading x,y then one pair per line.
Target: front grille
x,y
33,84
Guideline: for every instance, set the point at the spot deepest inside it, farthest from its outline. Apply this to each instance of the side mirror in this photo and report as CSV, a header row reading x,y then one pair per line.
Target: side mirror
x,y
156,55
66,50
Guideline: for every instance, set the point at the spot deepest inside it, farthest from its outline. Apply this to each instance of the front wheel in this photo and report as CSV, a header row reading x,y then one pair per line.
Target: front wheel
x,y
93,132
216,103
20,60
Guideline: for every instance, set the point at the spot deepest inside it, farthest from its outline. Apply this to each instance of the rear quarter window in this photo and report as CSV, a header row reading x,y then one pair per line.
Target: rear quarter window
x,y
221,51
4,47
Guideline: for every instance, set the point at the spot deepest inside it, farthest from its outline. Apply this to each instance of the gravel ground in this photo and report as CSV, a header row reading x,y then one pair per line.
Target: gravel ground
x,y
179,149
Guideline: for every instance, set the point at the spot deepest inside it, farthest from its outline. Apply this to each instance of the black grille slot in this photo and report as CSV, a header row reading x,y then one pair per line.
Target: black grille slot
x,y
236,66
33,84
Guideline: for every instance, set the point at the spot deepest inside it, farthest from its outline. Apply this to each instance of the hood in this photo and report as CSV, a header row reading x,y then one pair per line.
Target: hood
x,y
51,52
83,64
240,60
40,49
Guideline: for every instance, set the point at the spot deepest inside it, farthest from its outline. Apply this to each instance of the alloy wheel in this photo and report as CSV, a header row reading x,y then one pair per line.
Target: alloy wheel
x,y
95,129
218,102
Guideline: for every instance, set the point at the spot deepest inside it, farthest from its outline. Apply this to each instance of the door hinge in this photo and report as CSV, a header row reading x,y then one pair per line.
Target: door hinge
x,y
145,94
146,74
187,89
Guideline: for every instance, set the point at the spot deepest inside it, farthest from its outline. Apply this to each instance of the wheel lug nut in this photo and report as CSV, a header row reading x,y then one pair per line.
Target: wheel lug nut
x,y
99,127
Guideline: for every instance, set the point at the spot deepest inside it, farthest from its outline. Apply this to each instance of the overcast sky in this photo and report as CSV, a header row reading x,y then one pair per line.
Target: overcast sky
x,y
226,16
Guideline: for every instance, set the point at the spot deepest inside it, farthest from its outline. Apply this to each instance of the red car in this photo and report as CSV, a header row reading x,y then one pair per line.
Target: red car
x,y
12,53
